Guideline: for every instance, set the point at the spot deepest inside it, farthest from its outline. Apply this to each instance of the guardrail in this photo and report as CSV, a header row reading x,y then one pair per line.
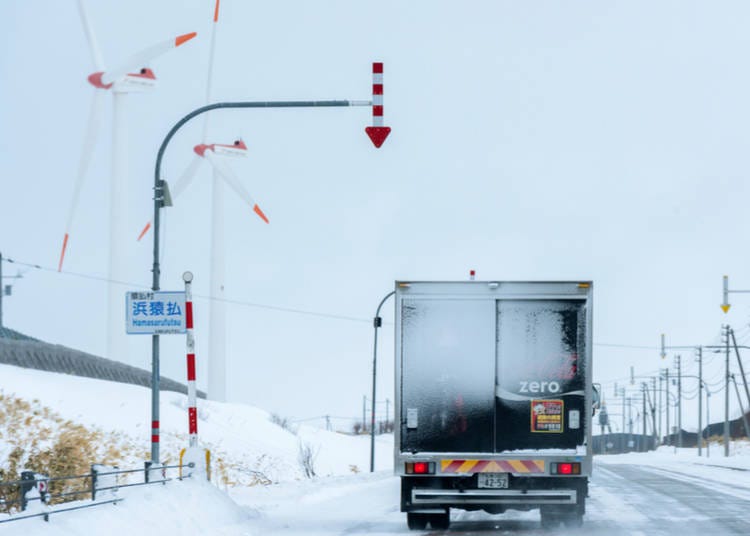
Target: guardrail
x,y
35,487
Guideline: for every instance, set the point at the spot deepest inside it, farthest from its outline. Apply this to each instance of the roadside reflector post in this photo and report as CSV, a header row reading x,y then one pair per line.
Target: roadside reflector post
x,y
187,277
193,459
378,132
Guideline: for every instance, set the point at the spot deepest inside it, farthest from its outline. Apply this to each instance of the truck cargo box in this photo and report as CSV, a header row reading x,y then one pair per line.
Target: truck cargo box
x,y
493,378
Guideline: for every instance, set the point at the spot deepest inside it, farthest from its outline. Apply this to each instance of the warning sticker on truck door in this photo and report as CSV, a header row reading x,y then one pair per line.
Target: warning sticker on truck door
x,y
547,416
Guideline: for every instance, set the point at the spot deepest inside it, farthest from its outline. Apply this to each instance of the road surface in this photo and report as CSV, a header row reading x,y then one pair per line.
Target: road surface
x,y
624,500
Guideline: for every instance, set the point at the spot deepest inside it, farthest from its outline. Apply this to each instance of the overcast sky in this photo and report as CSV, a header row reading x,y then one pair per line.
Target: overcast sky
x,y
531,140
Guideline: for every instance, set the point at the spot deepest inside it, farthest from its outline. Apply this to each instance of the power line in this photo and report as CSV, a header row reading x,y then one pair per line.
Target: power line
x,y
633,346
226,300
269,307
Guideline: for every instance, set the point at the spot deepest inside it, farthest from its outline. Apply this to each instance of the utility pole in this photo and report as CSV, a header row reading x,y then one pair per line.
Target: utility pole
x,y
739,362
2,290
387,412
700,400
644,388
622,394
661,404
679,401
742,407
653,409
726,394
669,430
708,423
5,290
630,416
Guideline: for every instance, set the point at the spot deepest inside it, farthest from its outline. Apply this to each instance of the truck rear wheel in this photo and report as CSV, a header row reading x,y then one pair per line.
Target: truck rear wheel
x,y
550,520
440,521
416,521
573,520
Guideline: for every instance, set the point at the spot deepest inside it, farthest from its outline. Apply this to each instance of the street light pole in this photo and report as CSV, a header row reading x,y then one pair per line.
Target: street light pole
x,y
161,199
376,322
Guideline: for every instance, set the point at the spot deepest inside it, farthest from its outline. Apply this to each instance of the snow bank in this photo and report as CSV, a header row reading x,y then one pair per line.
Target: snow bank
x,y
739,457
185,508
247,448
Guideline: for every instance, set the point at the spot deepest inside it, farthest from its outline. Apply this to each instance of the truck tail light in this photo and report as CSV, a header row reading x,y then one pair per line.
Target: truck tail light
x,y
420,468
566,468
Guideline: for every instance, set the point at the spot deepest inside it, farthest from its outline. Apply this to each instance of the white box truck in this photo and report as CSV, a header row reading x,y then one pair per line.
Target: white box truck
x,y
495,400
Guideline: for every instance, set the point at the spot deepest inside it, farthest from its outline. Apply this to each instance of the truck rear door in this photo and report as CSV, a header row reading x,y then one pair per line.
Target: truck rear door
x,y
448,375
540,383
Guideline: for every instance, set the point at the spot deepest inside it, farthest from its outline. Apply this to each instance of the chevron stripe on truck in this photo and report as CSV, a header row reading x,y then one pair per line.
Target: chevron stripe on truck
x,y
489,466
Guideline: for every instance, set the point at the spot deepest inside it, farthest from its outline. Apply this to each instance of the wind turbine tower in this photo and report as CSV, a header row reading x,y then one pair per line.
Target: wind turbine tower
x,y
132,76
216,154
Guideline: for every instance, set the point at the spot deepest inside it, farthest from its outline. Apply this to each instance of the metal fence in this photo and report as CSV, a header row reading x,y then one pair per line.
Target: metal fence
x,y
35,494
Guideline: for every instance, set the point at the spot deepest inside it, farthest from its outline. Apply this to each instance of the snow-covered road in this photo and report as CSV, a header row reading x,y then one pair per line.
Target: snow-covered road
x,y
674,498
625,499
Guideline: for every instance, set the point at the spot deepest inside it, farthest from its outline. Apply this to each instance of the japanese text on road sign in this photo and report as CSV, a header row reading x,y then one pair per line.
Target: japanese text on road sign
x,y
150,313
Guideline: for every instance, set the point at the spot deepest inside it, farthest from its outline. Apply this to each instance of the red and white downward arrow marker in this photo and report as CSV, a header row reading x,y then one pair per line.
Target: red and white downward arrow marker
x,y
377,132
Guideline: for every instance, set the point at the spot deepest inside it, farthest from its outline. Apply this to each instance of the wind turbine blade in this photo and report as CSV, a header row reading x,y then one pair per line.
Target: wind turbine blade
x,y
89,141
231,179
144,231
96,55
183,182
187,177
135,62
209,79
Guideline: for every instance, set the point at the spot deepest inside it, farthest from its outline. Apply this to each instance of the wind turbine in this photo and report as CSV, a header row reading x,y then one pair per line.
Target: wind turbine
x,y
216,154
131,76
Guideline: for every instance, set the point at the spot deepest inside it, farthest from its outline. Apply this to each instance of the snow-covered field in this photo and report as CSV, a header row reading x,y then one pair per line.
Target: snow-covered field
x,y
247,448
343,498
243,438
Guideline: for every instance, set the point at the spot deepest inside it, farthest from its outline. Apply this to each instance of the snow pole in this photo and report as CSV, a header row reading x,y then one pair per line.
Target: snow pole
x,y
192,405
197,460
377,94
378,132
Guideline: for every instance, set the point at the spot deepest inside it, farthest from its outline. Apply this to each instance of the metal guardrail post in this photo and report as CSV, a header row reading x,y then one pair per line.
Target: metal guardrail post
x,y
93,481
28,482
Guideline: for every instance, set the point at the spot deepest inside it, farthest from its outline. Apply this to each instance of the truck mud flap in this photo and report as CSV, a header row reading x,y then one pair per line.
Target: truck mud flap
x,y
482,496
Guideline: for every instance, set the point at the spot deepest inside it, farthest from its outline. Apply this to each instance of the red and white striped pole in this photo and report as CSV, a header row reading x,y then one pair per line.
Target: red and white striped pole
x,y
377,132
192,407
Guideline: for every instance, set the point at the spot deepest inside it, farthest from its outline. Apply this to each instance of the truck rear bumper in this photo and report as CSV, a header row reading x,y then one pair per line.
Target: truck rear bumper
x,y
420,496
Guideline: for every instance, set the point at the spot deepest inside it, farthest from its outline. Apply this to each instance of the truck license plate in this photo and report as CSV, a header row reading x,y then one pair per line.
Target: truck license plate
x,y
493,480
